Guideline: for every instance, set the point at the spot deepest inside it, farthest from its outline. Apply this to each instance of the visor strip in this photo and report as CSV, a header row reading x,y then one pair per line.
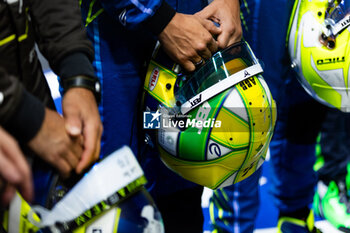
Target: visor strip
x,y
341,25
220,87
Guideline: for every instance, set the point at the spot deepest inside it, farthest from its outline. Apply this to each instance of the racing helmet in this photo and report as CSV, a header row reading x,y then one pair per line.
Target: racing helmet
x,y
110,198
212,126
319,47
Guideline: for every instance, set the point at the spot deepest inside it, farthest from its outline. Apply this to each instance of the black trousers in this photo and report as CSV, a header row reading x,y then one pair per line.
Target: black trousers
x,y
335,145
182,211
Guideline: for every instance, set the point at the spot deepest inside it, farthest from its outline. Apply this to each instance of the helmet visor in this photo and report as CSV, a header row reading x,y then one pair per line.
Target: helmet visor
x,y
225,69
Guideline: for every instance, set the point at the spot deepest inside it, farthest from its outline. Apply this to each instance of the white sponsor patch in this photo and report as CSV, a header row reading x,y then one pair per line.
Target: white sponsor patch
x,y
168,140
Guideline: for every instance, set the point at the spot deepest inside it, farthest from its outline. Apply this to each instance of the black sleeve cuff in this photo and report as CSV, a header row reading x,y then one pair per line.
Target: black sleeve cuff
x,y
160,19
76,71
75,64
27,120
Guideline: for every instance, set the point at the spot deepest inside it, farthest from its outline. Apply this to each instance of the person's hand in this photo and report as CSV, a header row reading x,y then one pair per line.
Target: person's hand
x,y
82,119
226,13
54,145
15,173
188,39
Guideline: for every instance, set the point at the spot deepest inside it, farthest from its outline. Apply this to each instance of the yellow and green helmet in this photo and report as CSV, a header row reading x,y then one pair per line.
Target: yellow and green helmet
x,y
213,126
318,43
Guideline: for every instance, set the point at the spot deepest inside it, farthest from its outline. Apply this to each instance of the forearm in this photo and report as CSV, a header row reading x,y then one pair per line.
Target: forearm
x,y
59,29
62,39
20,113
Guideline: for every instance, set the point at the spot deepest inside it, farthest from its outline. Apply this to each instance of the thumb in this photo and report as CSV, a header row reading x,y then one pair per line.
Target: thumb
x,y
73,124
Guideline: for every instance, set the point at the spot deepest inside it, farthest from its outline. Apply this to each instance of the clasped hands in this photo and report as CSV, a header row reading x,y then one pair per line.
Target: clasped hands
x,y
72,142
68,143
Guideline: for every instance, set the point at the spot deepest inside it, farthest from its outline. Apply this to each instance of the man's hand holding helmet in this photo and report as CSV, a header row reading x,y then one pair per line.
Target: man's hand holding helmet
x,y
188,39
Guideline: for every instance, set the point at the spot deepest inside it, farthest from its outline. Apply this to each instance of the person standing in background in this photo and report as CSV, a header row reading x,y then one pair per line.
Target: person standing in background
x,y
332,197
299,119
69,143
186,32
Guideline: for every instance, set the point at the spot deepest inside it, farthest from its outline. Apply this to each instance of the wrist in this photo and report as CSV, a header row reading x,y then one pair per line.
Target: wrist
x,y
91,84
27,119
161,18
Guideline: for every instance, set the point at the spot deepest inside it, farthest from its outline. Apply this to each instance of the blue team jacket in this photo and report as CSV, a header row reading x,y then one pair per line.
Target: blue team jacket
x,y
123,42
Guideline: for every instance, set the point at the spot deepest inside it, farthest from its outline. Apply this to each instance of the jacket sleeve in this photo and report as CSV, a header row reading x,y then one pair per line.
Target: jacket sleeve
x,y
61,37
133,14
21,113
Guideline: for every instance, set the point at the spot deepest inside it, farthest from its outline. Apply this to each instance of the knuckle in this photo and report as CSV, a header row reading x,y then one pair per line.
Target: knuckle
x,y
231,30
191,54
63,169
53,159
208,38
182,58
68,169
63,150
202,46
185,55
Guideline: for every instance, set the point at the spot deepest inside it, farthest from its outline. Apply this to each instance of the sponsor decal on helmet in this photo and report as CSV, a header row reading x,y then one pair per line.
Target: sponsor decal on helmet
x,y
247,83
345,22
196,100
246,170
330,60
154,79
214,149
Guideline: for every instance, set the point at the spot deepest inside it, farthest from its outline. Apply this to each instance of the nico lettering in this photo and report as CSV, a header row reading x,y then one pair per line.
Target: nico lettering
x,y
330,60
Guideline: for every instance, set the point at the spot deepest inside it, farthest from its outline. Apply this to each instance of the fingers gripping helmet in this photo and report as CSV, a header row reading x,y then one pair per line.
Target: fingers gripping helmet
x,y
319,46
108,199
213,126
